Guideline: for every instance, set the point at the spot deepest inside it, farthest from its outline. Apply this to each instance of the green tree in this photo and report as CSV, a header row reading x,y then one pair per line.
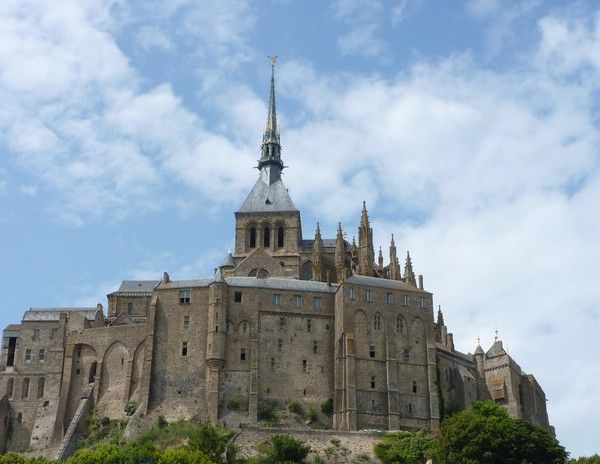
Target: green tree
x,y
183,456
282,449
595,459
113,454
485,434
14,458
404,447
210,440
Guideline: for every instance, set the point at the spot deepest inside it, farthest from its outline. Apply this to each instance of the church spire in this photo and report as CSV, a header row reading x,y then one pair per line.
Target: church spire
x,y
317,257
340,254
271,147
366,254
394,271
409,275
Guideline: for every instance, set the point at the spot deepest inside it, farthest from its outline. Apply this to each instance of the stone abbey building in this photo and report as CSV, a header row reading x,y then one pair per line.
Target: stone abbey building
x,y
283,317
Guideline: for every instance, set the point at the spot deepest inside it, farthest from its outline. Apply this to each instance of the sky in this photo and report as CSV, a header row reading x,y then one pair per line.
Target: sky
x,y
129,134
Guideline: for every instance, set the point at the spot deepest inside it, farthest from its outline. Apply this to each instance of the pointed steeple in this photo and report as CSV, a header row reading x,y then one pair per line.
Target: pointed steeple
x,y
380,258
366,254
340,254
440,316
317,258
270,159
409,275
394,272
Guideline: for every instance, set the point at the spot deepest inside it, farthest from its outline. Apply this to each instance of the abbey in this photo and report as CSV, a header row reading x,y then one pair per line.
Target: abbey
x,y
283,317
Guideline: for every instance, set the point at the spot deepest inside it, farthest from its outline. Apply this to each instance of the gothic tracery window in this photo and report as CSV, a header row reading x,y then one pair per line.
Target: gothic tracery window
x,y
377,321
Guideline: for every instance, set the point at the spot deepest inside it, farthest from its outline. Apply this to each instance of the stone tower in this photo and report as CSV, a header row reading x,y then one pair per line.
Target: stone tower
x,y
268,219
365,244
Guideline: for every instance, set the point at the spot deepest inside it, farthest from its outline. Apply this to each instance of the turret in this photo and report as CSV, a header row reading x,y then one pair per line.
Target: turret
x,y
340,254
380,259
409,275
365,244
394,271
317,257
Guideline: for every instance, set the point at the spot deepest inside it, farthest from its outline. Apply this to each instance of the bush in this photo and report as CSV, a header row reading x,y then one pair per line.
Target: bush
x,y
162,422
183,456
266,412
113,454
234,404
102,430
282,449
14,458
404,447
210,440
595,459
312,415
130,408
327,407
295,407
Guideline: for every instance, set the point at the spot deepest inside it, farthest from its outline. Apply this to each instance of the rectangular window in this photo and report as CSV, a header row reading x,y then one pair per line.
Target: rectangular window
x,y
280,345
186,322
36,334
27,355
41,355
372,381
389,298
237,297
308,325
304,365
276,299
368,295
422,302
405,300
315,346
184,349
410,408
184,296
406,355
414,386
297,301
242,354
316,302
352,293
371,351
53,334
130,308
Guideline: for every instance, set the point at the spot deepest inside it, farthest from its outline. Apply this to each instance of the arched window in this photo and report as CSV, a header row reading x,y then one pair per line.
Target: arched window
x,y
10,387
377,321
306,271
25,388
244,327
41,387
400,325
280,237
130,308
267,237
253,237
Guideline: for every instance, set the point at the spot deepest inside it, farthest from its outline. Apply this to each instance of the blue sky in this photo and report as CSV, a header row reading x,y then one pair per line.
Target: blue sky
x,y
129,132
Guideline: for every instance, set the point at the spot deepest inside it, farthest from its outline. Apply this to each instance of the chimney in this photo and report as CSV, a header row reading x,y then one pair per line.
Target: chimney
x,y
421,281
99,307
450,341
328,278
166,278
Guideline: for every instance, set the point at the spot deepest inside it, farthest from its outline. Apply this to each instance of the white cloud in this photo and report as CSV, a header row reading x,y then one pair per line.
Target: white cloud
x,y
362,19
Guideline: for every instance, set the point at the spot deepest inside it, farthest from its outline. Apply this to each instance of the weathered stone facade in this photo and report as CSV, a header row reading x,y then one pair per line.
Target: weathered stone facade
x,y
282,318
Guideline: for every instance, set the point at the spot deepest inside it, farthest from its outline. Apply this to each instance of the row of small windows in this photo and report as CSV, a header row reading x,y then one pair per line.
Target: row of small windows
x,y
10,387
389,298
405,354
266,237
297,301
41,355
374,384
36,334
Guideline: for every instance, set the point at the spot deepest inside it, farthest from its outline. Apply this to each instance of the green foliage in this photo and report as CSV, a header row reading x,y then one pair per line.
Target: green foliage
x,y
595,459
235,404
312,415
130,408
327,407
102,430
14,458
211,440
112,454
282,449
404,447
267,412
162,422
295,407
485,434
183,456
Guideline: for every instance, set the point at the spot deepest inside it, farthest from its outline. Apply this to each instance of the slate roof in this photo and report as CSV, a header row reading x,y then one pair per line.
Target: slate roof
x,y
53,314
496,350
478,350
228,260
253,282
138,286
267,198
464,372
327,243
383,283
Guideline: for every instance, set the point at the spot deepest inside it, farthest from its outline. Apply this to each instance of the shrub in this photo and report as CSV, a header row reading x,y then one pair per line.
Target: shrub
x,y
183,456
295,407
312,415
234,404
162,422
102,430
282,449
327,407
113,454
210,440
14,458
404,447
130,408
266,412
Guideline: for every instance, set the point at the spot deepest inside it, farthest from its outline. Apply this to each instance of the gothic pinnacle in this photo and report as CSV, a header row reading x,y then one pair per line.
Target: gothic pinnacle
x,y
271,147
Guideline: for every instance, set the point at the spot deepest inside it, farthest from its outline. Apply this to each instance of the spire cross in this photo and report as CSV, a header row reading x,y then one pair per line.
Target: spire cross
x,y
273,59
496,331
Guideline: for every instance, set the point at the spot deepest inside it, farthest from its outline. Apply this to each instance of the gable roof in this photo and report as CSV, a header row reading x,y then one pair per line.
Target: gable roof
x,y
53,314
384,283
